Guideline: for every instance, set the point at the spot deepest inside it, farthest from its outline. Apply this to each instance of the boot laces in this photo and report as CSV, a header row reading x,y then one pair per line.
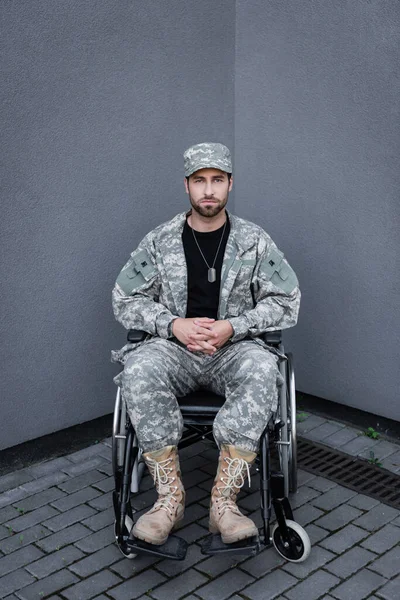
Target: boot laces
x,y
235,473
160,473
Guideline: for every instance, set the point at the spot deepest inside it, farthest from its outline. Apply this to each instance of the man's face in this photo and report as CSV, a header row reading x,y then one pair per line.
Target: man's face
x,y
208,191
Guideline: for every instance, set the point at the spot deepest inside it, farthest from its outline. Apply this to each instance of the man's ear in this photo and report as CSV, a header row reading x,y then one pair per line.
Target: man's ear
x,y
186,185
230,184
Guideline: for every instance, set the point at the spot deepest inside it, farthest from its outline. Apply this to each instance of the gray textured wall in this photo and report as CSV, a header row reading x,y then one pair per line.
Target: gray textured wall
x,y
100,99
317,155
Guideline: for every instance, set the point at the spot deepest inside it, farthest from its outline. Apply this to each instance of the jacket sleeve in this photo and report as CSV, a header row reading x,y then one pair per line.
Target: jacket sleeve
x,y
276,294
136,293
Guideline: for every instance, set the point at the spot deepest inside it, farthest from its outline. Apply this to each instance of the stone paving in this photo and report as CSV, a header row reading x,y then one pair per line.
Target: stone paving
x,y
57,541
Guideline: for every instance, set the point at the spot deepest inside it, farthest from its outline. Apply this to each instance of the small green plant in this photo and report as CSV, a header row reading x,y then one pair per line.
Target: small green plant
x,y
373,460
371,433
301,416
21,538
10,530
20,510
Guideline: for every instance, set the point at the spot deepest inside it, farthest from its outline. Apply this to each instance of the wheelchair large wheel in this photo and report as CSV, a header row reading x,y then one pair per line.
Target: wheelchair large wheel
x,y
299,546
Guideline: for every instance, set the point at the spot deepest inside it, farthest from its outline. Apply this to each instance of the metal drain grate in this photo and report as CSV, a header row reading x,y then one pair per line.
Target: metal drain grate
x,y
349,471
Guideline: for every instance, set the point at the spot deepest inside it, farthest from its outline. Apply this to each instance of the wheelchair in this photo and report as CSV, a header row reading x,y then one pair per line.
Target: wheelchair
x,y
198,410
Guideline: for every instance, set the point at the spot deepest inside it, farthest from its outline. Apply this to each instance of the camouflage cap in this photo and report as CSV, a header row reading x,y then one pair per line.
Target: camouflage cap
x,y
208,155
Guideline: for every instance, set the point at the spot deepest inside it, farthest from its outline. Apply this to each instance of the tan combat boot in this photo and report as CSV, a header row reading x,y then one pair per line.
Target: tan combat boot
x,y
225,517
155,525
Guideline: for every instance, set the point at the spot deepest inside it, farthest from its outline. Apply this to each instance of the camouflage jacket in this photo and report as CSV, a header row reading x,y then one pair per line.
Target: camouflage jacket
x,y
259,290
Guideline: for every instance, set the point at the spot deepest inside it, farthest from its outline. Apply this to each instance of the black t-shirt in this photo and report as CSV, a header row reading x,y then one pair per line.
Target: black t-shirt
x,y
203,296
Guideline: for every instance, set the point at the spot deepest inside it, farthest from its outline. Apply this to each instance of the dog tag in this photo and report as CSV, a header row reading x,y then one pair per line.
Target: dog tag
x,y
212,275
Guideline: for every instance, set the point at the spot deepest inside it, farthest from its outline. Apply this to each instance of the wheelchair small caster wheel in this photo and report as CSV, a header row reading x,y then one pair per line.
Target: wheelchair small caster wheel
x,y
122,548
299,546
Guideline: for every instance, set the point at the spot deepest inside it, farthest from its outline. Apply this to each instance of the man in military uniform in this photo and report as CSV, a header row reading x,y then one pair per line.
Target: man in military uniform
x,y
205,286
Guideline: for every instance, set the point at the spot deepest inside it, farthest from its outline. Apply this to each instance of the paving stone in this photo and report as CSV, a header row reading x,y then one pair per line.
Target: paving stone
x,y
305,494
66,536
350,562
14,581
84,455
179,586
20,540
358,587
4,533
75,499
69,517
96,561
33,518
383,539
339,517
194,463
392,463
102,502
170,568
396,521
193,513
40,499
106,453
316,534
84,467
8,513
306,514
304,478
383,449
192,533
318,558
342,437
270,586
100,520
142,583
322,484
144,500
390,591
251,502
219,563
194,478
98,540
105,485
106,468
388,564
333,498
43,483
224,586
318,434
358,445
313,587
344,539
78,483
311,423
377,517
12,496
54,562
363,502
47,586
195,494
14,480
127,568
48,467
19,559
92,586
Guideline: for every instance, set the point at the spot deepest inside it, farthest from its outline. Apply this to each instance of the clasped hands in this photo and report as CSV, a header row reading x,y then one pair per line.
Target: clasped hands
x,y
201,334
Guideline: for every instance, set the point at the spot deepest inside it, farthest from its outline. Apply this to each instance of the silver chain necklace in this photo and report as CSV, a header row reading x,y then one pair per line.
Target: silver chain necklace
x,y
212,274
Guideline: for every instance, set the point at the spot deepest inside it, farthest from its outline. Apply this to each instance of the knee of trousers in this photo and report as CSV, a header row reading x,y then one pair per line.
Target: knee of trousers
x,y
140,377
257,372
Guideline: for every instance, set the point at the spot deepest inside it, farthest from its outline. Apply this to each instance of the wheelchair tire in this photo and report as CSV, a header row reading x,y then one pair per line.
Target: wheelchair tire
x,y
299,546
124,550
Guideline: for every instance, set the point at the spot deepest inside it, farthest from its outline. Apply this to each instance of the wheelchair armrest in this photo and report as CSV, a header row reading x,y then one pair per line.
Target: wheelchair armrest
x,y
135,335
272,337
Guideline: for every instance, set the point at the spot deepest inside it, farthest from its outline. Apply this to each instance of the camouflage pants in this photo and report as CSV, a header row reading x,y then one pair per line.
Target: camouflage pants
x,y
160,370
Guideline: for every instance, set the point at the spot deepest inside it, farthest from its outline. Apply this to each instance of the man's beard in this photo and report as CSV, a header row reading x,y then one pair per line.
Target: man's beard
x,y
210,210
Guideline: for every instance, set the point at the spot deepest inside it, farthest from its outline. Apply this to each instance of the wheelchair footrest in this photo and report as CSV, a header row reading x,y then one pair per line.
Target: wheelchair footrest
x,y
175,548
213,544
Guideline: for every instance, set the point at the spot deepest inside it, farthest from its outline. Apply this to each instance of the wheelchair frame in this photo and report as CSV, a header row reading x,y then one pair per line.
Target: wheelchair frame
x,y
289,538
